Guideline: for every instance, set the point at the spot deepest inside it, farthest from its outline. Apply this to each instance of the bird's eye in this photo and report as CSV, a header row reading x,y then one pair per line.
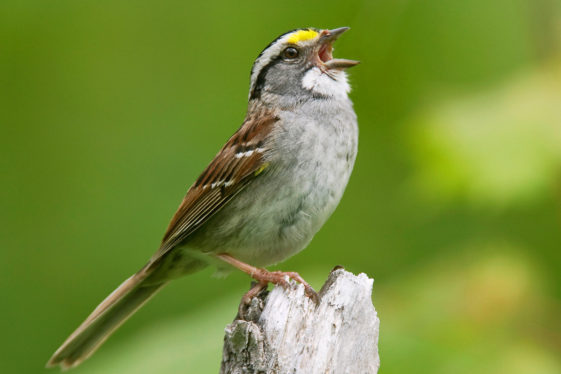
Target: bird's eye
x,y
290,53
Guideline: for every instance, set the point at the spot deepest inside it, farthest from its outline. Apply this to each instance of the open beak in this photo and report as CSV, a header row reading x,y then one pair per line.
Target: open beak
x,y
325,56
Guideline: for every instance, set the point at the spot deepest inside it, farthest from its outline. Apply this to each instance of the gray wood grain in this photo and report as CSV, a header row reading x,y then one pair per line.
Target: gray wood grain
x,y
285,332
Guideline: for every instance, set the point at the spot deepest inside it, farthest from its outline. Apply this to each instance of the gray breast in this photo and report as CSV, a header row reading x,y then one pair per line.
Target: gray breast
x,y
277,215
320,143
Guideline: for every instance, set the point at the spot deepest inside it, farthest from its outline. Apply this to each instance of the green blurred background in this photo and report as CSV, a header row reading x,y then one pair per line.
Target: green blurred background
x,y
110,109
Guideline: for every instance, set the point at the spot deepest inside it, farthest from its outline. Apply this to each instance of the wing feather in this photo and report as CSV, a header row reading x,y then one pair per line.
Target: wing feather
x,y
236,165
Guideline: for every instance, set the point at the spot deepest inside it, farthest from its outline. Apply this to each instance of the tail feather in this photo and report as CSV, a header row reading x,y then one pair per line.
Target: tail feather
x,y
104,320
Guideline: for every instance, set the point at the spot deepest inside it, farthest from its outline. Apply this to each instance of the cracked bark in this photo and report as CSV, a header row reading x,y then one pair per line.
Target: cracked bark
x,y
283,331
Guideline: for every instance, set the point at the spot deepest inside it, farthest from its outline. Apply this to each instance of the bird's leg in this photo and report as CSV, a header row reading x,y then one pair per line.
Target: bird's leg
x,y
263,276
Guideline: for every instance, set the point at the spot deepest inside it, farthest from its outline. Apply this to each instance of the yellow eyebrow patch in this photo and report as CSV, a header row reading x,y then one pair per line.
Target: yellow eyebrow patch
x,y
302,35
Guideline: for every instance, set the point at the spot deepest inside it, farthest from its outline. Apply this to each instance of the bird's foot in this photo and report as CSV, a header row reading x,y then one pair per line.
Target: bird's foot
x,y
255,290
282,278
263,277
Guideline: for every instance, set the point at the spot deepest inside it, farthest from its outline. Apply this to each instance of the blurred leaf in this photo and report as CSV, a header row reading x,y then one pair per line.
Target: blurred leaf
x,y
468,313
498,147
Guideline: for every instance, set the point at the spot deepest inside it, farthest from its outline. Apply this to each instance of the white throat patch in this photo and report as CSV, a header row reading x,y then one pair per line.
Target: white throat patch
x,y
319,82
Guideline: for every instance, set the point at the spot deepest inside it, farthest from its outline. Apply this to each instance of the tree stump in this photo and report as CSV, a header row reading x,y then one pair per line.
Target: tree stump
x,y
283,331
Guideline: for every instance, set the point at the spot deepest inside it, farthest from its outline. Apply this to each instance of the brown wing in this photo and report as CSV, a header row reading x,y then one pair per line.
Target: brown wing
x,y
238,163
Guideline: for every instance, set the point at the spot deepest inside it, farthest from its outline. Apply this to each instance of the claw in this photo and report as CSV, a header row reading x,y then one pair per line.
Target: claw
x,y
279,278
264,277
255,290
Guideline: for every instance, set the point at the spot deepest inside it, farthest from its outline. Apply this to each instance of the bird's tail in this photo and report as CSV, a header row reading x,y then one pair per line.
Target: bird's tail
x,y
105,319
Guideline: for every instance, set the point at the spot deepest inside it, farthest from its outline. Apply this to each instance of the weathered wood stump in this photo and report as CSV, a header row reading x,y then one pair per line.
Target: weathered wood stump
x,y
285,332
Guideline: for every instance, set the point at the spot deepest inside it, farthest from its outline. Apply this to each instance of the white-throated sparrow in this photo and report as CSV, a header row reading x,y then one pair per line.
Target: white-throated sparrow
x,y
266,193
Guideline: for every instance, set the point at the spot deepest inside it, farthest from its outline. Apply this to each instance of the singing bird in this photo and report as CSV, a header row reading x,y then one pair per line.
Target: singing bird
x,y
264,195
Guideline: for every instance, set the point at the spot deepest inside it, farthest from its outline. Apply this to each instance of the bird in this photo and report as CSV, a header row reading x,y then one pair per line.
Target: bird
x,y
265,194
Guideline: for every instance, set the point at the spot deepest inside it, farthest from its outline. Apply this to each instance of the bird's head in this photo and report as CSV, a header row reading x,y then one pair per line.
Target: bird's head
x,y
299,64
